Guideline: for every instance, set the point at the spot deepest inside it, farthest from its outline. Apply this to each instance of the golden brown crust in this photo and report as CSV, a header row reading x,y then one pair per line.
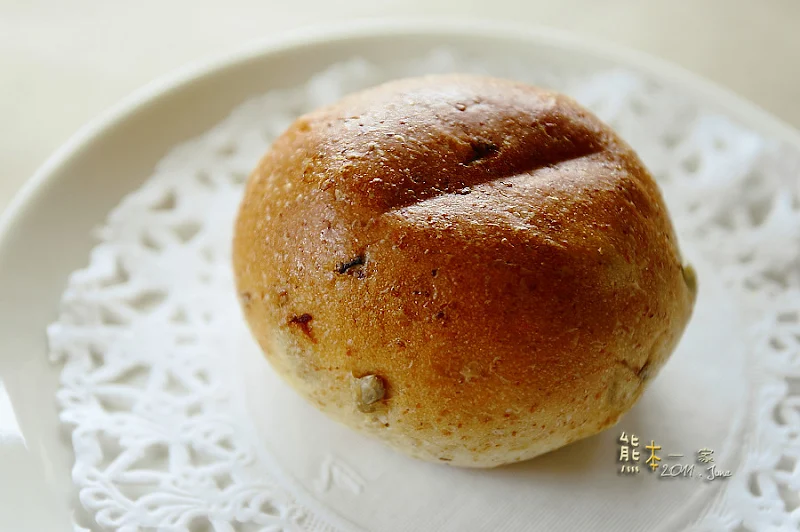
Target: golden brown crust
x,y
491,251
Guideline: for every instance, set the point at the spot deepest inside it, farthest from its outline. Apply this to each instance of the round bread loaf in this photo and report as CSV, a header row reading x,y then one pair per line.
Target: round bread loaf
x,y
474,270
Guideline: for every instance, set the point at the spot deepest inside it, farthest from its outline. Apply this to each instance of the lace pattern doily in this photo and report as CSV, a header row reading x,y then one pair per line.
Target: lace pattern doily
x,y
148,333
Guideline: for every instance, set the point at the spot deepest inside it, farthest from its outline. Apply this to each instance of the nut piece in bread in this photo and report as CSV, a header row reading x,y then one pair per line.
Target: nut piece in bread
x,y
473,270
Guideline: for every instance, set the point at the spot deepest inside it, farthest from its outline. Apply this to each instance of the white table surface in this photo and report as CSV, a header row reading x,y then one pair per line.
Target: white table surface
x,y
63,62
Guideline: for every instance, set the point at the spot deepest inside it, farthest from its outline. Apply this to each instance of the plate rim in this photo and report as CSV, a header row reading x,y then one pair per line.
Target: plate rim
x,y
313,35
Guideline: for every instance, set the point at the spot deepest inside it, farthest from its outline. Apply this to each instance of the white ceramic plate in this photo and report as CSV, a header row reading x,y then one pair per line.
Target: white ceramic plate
x,y
45,234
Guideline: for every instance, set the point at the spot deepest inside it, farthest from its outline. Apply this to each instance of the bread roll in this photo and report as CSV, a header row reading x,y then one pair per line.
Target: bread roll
x,y
473,270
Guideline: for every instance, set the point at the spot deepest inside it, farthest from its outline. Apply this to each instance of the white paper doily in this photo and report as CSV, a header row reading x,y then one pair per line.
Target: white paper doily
x,y
178,423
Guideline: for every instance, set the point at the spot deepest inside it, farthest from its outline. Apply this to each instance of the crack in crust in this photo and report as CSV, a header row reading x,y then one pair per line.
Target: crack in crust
x,y
431,199
640,373
396,155
486,163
